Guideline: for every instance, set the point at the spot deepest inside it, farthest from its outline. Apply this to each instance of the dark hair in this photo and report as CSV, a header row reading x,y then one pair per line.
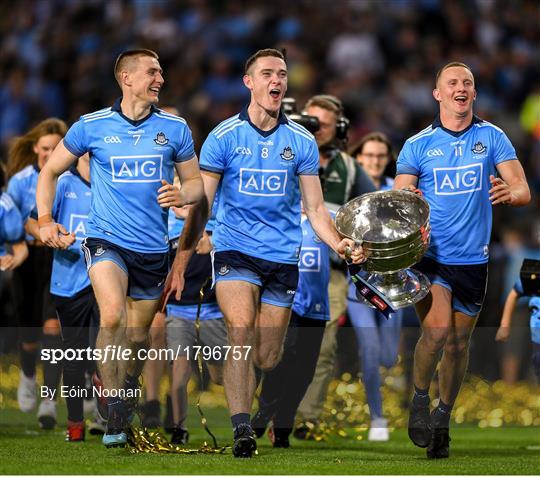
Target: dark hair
x,y
452,64
262,54
127,55
377,136
21,153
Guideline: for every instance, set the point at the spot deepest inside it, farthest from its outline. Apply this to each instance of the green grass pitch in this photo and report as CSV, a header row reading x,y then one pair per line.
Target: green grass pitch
x,y
24,449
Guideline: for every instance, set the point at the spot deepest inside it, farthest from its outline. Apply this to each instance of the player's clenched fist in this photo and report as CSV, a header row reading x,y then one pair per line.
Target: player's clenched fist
x,y
54,235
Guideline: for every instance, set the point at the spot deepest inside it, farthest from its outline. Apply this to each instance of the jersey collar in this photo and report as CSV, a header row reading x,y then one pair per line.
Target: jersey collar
x,y
437,124
75,172
116,107
282,119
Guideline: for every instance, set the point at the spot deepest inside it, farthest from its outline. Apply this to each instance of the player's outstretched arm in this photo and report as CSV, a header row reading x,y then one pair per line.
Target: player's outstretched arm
x,y
406,182
511,188
193,229
506,321
192,189
59,162
322,222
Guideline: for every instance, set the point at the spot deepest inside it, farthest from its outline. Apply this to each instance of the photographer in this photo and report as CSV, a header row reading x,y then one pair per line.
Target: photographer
x,y
342,179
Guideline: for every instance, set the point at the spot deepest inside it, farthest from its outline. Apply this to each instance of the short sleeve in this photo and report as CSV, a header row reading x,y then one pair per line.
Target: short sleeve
x,y
76,140
308,164
14,190
213,156
186,149
504,150
406,162
13,223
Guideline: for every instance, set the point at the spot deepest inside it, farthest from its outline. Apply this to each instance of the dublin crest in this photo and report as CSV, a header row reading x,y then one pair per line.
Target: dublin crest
x,y
287,154
161,139
479,148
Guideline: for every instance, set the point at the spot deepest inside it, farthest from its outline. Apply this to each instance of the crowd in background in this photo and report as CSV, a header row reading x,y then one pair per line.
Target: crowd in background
x,y
379,57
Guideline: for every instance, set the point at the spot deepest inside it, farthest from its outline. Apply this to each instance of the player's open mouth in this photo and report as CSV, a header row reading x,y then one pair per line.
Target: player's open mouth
x,y
461,99
155,90
275,93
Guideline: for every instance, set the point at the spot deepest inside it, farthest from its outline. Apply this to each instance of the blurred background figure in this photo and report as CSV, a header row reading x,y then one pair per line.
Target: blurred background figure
x,y
35,309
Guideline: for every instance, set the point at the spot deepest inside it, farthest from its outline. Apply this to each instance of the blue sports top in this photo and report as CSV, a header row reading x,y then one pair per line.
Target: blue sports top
x,y
259,212
453,170
128,159
22,189
71,208
11,224
311,298
534,308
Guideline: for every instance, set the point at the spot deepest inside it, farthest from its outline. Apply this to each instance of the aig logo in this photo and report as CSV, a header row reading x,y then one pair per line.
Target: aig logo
x,y
136,168
243,150
458,180
435,153
77,225
262,182
310,260
112,139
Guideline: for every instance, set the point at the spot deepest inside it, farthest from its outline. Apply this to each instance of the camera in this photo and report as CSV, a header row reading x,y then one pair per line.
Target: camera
x,y
311,123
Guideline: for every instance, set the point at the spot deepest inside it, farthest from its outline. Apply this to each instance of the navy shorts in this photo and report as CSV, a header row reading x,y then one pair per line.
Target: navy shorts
x,y
278,281
146,271
466,282
79,317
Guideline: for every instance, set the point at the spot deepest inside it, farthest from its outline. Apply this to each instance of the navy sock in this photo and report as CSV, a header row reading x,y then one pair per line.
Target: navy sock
x,y
441,415
240,418
421,397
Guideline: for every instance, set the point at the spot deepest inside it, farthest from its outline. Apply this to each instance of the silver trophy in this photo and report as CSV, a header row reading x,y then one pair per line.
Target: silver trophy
x,y
393,228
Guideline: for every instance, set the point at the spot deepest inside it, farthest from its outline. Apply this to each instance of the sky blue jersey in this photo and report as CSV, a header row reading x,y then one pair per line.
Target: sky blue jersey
x,y
128,159
453,170
71,208
311,298
22,189
534,308
259,212
11,224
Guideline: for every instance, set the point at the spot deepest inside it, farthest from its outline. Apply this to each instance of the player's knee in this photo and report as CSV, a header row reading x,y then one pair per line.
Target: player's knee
x,y
456,347
111,315
388,361
138,335
435,338
51,327
268,360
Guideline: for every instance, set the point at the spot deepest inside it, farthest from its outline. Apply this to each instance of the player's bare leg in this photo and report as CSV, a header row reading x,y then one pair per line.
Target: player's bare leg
x,y
435,313
239,302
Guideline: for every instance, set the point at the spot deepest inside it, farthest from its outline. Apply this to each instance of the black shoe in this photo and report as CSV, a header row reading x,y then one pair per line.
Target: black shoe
x,y
168,421
244,442
419,426
180,436
259,422
439,447
279,437
150,414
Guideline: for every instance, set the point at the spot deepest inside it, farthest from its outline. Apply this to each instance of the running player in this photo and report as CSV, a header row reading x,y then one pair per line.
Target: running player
x,y
454,163
261,158
133,148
